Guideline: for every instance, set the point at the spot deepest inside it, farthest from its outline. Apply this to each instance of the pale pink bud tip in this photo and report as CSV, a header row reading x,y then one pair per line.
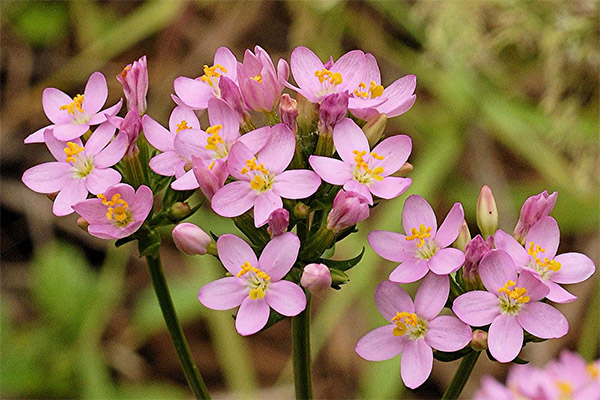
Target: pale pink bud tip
x,y
349,208
316,277
278,222
82,223
487,213
288,110
134,79
190,239
535,208
479,340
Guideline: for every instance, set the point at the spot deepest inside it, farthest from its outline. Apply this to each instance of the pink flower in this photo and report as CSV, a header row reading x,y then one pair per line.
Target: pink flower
x,y
117,213
259,83
348,209
361,170
71,118
134,79
539,257
255,285
572,377
414,329
510,305
262,179
535,208
195,93
78,169
424,248
474,252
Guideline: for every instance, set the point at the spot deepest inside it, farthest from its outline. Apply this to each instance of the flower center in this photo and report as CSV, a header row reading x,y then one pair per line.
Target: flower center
x,y
329,80
420,235
82,165
262,180
257,78
543,266
363,170
373,91
182,126
211,74
71,151
258,281
215,141
512,299
75,106
565,389
118,210
409,323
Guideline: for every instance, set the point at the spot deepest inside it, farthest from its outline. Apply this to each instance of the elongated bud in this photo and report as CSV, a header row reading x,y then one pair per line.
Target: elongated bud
x,y
300,210
479,340
404,170
374,128
535,208
316,278
191,239
464,237
82,223
132,126
474,252
333,109
487,213
179,210
338,278
134,79
349,208
307,114
278,222
288,111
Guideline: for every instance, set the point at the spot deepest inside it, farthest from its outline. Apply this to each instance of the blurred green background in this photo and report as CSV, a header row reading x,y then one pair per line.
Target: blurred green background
x,y
507,95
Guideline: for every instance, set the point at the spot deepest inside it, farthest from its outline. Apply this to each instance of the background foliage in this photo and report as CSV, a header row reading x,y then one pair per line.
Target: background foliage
x,y
507,96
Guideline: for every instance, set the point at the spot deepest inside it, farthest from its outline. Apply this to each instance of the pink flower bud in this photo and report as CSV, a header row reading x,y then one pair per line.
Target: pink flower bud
x,y
288,111
479,340
134,79
190,239
333,109
487,213
132,126
259,82
349,208
474,252
82,223
316,277
464,237
535,208
230,92
278,222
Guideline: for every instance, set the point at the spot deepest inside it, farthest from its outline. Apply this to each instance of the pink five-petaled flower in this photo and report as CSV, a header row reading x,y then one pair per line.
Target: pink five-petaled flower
x,y
361,170
414,329
539,256
79,169
118,212
425,247
510,305
72,117
255,285
262,179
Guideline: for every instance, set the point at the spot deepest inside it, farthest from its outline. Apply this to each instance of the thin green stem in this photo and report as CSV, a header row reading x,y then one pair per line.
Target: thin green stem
x,y
461,376
192,375
301,352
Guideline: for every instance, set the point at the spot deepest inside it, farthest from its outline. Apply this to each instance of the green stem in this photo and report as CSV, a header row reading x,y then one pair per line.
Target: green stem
x,y
192,375
301,352
461,376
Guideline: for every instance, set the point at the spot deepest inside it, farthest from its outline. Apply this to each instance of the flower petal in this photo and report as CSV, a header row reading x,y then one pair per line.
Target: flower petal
x,y
100,138
68,132
304,63
92,210
264,205
390,299
38,136
506,242
432,296
48,177
536,288
505,338
296,184
236,160
52,100
542,320
142,204
496,268
545,233
575,268
98,180
400,95
416,363
190,142
450,228
359,188
234,199
103,115
446,261
166,163
279,150
286,298
331,170
351,66
220,113
347,138
417,212
157,135
186,181
255,140
558,294
477,308
380,344
447,333
392,246
180,114
113,153
390,187
233,252
95,93
409,271
252,316
279,255
73,192
224,293
193,93
395,151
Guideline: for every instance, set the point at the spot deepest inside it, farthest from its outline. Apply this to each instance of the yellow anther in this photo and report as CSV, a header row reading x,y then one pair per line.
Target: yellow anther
x,y
402,320
251,165
117,208
375,89
545,264
257,183
247,267
324,75
214,139
74,106
124,72
565,389
377,156
420,235
592,370
72,150
212,72
212,164
518,294
257,78
182,125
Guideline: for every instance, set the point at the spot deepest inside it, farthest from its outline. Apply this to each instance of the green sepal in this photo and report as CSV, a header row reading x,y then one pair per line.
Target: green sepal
x,y
346,232
521,361
149,245
338,278
445,356
344,265
122,241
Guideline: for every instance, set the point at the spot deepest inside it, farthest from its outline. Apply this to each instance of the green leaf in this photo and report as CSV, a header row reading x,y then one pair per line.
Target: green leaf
x,y
344,265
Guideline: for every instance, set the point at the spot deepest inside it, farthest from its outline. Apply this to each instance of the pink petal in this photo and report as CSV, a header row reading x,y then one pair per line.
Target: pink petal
x,y
57,147
166,163
417,211
185,182
256,139
48,177
496,268
236,160
224,293
100,138
108,112
447,333
296,184
542,320
68,132
158,136
193,93
558,294
350,65
450,228
380,344
575,268
304,63
392,246
348,137
390,299
331,170
112,153
220,113
252,316
505,338
400,95
38,136
92,210
210,181
99,180
190,142
395,151
95,94
401,109
52,100
416,363
545,233
370,70
180,114
107,231
264,205
142,203
73,192
446,261
279,255
432,296
506,242
279,150
234,252
286,298
409,271
536,288
390,187
227,59
477,308
359,188
234,199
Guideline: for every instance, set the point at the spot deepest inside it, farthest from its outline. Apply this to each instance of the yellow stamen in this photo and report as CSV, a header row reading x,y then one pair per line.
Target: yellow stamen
x,y
592,370
565,389
518,294
374,90
74,106
214,139
420,235
182,125
211,73
545,264
326,75
402,320
257,183
257,78
72,150
117,208
124,72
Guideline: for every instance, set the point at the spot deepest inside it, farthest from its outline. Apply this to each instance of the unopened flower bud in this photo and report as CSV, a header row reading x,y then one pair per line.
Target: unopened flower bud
x,y
300,210
479,340
535,208
179,210
404,170
132,126
191,239
333,109
278,222
134,79
329,63
349,208
474,252
315,278
288,111
338,278
307,114
374,128
464,237
487,213
82,223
